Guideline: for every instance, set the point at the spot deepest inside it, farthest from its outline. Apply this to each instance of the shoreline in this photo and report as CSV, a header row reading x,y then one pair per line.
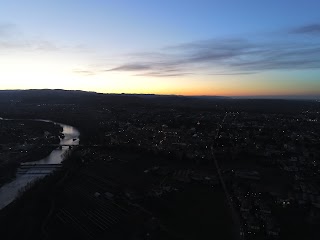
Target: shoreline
x,y
27,176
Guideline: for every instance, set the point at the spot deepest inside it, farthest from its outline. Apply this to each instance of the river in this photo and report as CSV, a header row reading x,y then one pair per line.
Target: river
x,y
29,172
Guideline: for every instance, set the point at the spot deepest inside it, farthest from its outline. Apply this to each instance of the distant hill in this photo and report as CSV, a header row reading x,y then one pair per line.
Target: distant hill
x,y
54,96
60,96
45,95
93,99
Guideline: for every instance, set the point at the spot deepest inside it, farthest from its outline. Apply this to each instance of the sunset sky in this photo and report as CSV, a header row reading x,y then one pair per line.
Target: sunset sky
x,y
185,47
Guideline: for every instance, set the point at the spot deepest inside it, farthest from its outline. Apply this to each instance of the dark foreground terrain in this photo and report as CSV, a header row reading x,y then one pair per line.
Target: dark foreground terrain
x,y
169,167
103,193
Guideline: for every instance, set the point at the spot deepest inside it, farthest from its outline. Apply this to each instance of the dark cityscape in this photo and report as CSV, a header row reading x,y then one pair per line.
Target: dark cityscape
x,y
158,167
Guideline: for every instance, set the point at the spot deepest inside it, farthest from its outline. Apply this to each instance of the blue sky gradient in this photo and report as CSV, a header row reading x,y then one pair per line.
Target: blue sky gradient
x,y
233,48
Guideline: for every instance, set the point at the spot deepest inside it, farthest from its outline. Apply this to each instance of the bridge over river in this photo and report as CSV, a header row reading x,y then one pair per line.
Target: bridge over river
x,y
30,172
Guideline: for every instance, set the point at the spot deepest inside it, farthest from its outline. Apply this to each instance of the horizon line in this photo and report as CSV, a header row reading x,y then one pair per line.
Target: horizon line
x,y
266,96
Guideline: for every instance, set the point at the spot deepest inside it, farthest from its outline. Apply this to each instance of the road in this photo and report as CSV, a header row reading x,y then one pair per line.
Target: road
x,y
234,214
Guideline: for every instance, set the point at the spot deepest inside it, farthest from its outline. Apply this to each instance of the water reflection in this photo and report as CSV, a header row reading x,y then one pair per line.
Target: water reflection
x,y
71,138
31,171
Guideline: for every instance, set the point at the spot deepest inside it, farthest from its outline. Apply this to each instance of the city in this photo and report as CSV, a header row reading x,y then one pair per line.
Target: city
x,y
189,170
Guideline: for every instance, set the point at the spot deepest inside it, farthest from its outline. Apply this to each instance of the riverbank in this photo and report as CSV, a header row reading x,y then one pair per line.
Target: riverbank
x,y
26,177
25,141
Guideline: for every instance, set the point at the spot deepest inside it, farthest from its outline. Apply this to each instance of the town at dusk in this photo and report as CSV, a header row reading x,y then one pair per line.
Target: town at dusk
x,y
160,120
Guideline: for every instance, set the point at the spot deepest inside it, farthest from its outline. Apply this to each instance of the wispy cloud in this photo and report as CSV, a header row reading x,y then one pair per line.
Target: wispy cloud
x,y
7,30
233,73
84,72
164,73
132,67
225,57
12,38
308,29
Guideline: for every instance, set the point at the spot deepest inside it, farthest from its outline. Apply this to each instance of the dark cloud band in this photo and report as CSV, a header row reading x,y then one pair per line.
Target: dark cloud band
x,y
229,55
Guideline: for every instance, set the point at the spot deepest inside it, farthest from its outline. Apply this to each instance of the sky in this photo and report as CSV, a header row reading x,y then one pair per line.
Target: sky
x,y
183,47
